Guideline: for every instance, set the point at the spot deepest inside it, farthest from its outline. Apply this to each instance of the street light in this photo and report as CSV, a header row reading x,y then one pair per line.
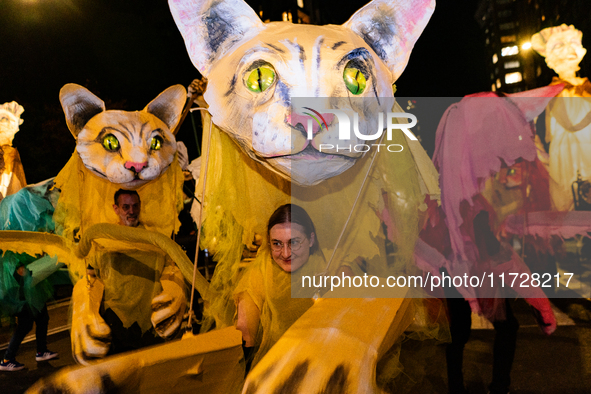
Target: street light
x,y
526,45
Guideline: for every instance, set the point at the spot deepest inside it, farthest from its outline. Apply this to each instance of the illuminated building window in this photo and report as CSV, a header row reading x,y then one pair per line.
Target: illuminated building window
x,y
287,17
493,88
513,77
301,3
538,71
510,51
507,26
487,41
512,64
498,83
495,58
506,39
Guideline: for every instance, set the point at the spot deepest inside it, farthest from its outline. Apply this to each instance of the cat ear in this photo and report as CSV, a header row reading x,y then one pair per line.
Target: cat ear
x,y
79,105
391,28
211,28
168,106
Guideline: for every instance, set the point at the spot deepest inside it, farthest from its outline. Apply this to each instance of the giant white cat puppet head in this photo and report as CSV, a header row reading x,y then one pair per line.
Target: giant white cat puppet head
x,y
126,148
255,69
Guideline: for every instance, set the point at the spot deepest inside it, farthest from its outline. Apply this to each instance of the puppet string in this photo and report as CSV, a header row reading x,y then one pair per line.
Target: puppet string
x,y
191,313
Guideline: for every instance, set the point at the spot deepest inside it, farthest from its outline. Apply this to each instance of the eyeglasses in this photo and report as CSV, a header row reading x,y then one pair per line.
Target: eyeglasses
x,y
293,245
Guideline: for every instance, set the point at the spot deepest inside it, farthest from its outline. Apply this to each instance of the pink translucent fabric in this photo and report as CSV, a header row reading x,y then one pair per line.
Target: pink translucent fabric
x,y
547,224
474,138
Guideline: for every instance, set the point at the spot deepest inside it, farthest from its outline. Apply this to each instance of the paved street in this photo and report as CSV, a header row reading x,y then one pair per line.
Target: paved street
x,y
557,364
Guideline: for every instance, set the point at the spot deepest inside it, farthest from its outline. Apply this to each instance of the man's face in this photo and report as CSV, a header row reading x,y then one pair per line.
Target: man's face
x,y
128,209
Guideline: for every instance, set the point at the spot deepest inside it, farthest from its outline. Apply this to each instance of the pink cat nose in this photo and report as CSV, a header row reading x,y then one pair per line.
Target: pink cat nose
x,y
320,120
135,167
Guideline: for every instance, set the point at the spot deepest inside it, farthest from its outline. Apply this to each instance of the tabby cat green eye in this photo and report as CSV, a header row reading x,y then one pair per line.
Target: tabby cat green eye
x,y
156,143
260,79
354,79
111,143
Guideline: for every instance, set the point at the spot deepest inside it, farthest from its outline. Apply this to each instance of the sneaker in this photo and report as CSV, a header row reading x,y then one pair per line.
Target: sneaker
x,y
46,355
11,365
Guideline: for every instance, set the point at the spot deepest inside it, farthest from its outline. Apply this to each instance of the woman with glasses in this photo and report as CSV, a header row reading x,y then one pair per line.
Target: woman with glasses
x,y
265,305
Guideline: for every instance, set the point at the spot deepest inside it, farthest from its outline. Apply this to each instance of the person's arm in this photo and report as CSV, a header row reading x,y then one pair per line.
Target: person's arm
x,y
248,318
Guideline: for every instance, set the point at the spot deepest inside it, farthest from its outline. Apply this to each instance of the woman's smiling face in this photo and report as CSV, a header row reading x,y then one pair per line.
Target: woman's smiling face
x,y
282,236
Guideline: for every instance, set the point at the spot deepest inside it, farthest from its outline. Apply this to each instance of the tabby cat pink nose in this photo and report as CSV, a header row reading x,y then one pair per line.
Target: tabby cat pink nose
x,y
136,167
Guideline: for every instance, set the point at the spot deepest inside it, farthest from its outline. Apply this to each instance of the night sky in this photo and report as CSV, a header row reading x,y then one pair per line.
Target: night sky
x,y
128,51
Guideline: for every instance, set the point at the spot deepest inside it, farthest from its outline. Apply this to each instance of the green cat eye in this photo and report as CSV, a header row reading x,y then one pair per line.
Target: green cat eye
x,y
354,80
111,143
260,79
156,143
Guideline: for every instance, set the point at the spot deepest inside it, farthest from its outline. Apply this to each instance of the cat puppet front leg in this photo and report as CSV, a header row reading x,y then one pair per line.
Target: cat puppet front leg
x,y
292,363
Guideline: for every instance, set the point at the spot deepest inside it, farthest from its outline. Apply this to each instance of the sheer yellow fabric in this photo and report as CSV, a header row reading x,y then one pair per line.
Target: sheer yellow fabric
x,y
87,199
270,289
241,194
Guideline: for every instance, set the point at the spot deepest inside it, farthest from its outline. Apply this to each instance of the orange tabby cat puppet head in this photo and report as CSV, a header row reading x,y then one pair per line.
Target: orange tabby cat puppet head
x,y
126,148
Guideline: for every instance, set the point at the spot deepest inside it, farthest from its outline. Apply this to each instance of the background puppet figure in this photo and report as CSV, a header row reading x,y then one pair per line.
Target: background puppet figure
x,y
568,118
478,137
12,175
25,290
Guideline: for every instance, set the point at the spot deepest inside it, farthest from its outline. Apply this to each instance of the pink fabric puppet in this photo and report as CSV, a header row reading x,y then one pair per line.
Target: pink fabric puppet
x,y
477,138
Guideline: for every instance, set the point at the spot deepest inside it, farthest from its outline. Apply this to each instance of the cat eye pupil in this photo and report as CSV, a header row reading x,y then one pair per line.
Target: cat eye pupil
x,y
260,79
111,143
354,79
156,143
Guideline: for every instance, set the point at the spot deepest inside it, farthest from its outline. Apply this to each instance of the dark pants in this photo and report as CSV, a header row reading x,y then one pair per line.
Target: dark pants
x,y
503,350
127,339
25,324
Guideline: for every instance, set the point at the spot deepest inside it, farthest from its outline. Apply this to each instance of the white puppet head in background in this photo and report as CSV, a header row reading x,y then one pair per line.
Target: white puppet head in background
x,y
10,120
562,48
255,69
